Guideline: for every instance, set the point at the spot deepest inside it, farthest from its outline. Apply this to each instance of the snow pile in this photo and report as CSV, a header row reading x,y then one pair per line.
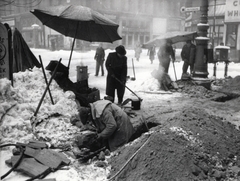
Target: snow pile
x,y
19,103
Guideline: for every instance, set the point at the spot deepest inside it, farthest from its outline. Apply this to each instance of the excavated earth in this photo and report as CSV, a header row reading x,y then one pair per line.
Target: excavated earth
x,y
191,134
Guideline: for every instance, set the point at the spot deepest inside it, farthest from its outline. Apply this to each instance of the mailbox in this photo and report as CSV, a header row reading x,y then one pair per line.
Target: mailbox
x,y
221,53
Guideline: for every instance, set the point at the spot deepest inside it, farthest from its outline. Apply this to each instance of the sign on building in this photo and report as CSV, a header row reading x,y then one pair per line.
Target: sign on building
x,y
232,13
4,53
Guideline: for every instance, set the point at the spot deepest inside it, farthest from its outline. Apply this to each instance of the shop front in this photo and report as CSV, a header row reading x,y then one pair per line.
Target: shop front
x,y
232,29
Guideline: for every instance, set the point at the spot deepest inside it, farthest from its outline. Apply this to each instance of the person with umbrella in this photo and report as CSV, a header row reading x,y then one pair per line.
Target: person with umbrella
x,y
165,54
112,124
99,57
188,56
116,65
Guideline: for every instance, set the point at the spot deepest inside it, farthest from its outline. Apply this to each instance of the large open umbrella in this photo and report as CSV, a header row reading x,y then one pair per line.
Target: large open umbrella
x,y
79,22
177,36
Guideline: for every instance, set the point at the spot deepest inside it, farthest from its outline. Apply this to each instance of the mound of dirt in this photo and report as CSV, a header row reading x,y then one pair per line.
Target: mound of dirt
x,y
196,91
192,145
231,86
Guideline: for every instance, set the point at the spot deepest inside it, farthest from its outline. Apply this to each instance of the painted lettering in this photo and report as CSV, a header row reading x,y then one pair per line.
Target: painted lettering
x,y
230,13
235,3
235,13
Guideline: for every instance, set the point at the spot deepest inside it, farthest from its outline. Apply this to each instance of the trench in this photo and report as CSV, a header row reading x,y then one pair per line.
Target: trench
x,y
143,128
227,97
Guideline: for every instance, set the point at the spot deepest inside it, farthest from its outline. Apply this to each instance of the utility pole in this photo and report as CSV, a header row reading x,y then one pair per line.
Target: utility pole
x,y
200,72
214,22
213,37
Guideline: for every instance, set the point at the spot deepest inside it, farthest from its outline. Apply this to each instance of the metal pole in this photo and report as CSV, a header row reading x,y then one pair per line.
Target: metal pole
x,y
41,100
200,66
213,37
72,47
214,20
45,77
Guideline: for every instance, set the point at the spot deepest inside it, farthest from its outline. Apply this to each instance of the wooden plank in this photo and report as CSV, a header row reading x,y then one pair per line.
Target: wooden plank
x,y
47,158
30,166
37,144
61,156
34,144
30,151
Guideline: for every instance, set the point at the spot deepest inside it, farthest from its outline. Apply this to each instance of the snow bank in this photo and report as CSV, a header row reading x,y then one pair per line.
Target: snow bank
x,y
19,103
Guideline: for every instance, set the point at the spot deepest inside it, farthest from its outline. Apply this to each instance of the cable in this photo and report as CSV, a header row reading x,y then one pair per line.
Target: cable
x,y
17,163
129,159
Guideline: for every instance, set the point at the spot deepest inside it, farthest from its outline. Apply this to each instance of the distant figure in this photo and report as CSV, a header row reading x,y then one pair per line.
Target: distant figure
x,y
152,53
188,54
165,54
116,65
99,57
138,50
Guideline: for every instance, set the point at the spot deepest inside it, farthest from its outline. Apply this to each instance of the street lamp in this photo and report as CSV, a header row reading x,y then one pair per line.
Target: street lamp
x,y
200,72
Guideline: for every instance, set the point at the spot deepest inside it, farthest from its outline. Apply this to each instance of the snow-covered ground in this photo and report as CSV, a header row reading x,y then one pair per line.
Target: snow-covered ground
x,y
24,103
143,68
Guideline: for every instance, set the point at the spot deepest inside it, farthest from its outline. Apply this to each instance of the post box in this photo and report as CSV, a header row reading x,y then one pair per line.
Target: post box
x,y
221,53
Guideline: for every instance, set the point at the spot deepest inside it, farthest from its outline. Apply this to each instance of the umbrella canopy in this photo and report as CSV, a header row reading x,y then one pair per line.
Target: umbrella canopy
x,y
23,56
79,22
176,37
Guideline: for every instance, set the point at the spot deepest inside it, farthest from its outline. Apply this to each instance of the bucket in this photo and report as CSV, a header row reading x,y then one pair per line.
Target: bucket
x,y
136,104
82,73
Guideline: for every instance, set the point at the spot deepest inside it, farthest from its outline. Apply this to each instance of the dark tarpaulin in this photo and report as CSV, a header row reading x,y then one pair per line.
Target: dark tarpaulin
x,y
23,56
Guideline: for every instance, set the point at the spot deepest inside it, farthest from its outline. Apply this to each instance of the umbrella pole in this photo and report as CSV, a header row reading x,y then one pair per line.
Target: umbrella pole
x,y
72,47
71,53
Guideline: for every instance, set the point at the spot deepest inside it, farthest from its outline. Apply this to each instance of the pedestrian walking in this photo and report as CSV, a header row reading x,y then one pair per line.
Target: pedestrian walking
x,y
116,65
99,57
188,54
138,50
152,53
166,54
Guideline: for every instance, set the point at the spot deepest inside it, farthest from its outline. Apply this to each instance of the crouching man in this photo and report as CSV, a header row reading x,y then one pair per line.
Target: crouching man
x,y
111,122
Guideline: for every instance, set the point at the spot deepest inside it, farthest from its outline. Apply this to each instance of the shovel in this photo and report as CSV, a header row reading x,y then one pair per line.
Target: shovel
x,y
133,78
128,88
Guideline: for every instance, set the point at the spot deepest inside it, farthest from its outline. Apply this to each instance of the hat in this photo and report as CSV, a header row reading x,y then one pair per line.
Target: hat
x,y
121,50
84,113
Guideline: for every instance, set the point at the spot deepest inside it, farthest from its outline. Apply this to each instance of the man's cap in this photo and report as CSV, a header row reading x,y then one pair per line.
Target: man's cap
x,y
121,50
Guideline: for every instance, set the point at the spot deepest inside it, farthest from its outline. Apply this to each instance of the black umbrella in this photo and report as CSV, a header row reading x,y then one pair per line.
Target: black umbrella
x,y
176,36
24,58
79,22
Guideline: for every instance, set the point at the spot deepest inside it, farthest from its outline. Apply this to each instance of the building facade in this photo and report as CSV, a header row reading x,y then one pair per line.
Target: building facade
x,y
139,20
224,23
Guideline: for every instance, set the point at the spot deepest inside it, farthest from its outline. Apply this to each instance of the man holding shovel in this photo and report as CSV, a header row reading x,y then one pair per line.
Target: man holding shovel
x,y
116,65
